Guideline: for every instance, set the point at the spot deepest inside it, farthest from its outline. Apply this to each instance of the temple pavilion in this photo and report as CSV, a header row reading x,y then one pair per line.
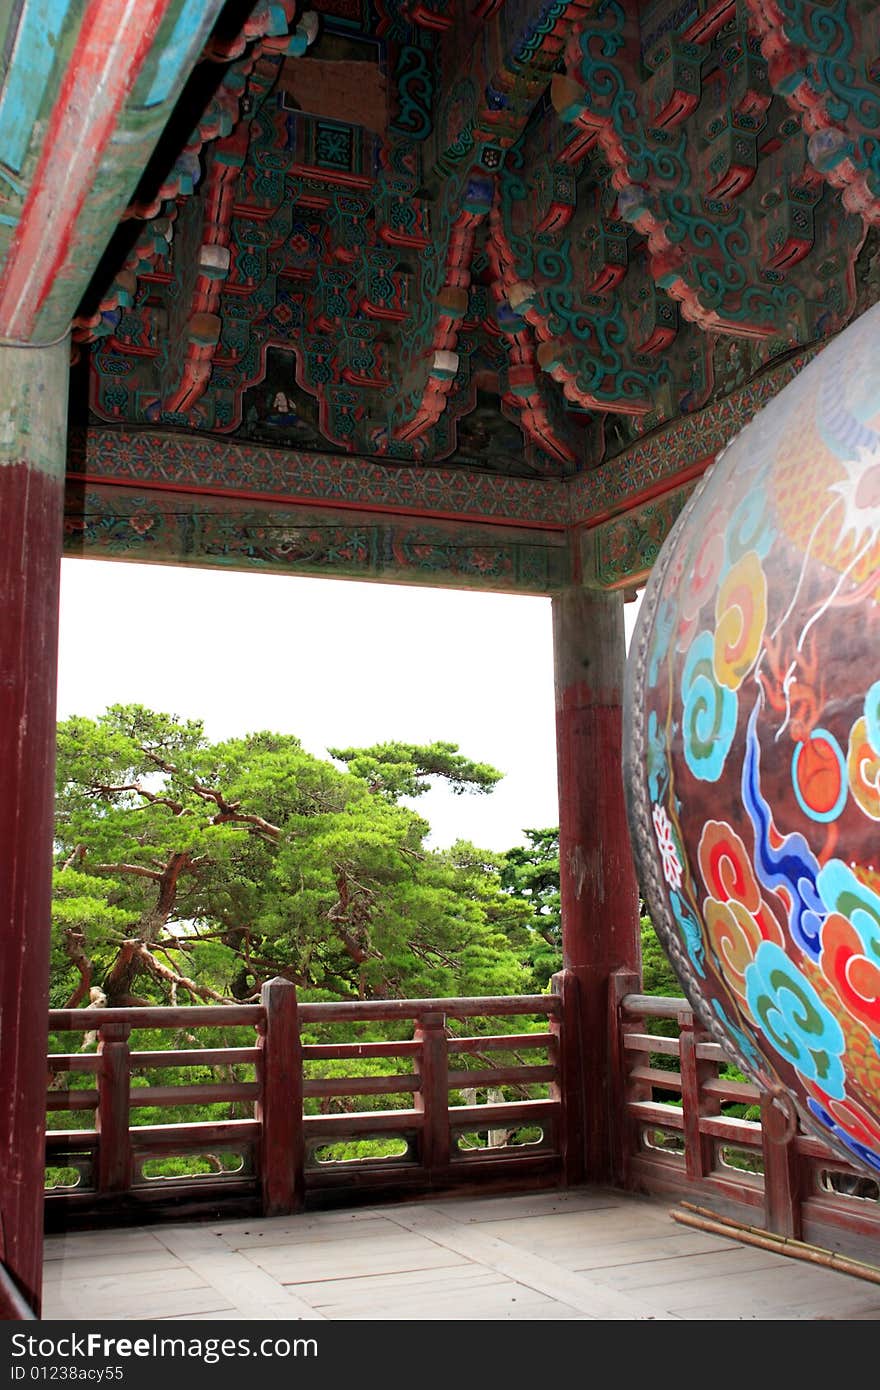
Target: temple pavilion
x,y
445,292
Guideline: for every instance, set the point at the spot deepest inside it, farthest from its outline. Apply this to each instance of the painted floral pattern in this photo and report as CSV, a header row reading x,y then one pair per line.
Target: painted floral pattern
x,y
760,640
666,845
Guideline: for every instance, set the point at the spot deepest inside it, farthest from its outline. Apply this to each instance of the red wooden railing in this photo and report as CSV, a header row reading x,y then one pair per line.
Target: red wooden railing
x,y
276,1145
679,1137
678,1133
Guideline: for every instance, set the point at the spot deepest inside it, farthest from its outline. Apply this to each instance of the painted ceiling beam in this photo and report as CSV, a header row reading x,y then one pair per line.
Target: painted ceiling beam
x,y
527,47
87,92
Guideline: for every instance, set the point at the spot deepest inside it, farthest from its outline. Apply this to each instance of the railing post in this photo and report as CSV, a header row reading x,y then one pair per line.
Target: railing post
x,y
113,1119
569,1088
782,1208
280,1107
698,1150
432,1098
621,983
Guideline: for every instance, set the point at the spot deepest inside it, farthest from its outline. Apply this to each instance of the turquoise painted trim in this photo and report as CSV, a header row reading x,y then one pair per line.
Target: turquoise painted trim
x,y
33,58
14,184
190,30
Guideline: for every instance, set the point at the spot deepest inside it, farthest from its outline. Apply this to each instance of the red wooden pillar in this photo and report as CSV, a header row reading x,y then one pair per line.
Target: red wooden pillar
x,y
600,917
33,415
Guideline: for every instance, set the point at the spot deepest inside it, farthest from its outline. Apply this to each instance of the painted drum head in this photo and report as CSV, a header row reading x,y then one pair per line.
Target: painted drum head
x,y
752,746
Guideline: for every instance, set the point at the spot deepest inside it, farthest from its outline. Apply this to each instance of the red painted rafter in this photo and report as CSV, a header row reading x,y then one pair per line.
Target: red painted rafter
x,y
459,255
209,128
669,264
790,70
497,126
204,322
524,374
548,355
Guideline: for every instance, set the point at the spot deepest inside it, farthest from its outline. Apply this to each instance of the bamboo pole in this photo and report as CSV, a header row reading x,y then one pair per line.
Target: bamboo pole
x,y
704,1220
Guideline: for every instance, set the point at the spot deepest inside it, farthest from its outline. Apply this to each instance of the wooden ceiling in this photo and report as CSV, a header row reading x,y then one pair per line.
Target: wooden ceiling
x,y
506,236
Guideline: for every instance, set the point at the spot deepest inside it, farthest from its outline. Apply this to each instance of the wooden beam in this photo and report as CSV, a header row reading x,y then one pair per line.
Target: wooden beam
x,y
95,144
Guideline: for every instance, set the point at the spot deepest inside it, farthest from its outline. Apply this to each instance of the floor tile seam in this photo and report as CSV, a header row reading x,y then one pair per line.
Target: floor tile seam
x,y
501,1282
425,1269
223,1280
554,1272
531,1216
70,1271
661,1259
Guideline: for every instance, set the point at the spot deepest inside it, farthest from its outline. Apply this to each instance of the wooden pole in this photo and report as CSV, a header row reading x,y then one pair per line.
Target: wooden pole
x,y
82,172
280,1107
780,1245
33,422
569,1089
114,1088
432,1097
600,919
699,1153
782,1207
622,983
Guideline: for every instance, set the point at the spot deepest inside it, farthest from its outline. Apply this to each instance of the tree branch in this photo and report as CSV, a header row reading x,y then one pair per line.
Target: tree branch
x,y
176,980
74,943
151,797
356,908
229,811
139,869
121,973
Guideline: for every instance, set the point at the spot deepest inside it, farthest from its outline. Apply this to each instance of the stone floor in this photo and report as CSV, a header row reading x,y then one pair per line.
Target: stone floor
x,y
580,1254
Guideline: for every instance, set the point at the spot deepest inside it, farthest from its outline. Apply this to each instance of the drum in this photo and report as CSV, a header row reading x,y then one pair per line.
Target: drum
x,y
752,746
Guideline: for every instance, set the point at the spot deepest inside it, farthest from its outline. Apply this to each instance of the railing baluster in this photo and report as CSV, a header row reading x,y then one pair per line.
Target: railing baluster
x,y
280,1107
621,983
568,1088
698,1149
112,1119
432,1098
782,1209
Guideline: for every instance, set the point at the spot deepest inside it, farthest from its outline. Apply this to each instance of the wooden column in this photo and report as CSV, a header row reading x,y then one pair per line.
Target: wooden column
x,y
600,918
33,416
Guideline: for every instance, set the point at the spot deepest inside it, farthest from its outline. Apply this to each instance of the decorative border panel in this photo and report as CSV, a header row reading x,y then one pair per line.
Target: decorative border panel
x,y
196,463
143,526
695,439
618,502
621,552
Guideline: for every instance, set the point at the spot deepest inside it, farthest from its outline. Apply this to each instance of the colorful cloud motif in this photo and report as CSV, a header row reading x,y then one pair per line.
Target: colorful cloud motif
x,y
708,714
794,1020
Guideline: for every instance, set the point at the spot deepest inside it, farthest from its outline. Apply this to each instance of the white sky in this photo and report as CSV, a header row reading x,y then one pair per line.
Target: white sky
x,y
334,662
